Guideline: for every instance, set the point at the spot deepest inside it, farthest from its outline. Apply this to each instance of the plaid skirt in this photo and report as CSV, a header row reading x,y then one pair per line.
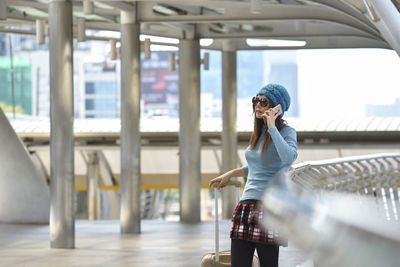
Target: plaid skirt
x,y
247,224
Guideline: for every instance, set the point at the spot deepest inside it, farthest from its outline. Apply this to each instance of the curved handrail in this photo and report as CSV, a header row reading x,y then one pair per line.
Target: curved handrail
x,y
335,209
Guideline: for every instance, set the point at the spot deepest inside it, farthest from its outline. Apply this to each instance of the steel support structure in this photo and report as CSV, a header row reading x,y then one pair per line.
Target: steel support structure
x,y
388,22
62,219
130,124
93,189
189,131
229,135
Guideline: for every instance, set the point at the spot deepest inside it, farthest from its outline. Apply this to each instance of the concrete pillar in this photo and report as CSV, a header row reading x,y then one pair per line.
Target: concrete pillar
x,y
93,190
189,134
229,136
24,193
62,221
130,124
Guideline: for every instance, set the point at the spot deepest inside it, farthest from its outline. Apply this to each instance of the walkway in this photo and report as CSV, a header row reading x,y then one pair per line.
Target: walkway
x,y
99,243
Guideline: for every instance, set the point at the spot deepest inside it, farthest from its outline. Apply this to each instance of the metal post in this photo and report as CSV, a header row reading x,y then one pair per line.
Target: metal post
x,y
216,225
62,228
189,134
12,76
229,136
37,95
130,124
93,190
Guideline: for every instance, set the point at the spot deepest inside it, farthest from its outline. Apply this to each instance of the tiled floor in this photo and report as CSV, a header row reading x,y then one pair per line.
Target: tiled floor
x,y
99,243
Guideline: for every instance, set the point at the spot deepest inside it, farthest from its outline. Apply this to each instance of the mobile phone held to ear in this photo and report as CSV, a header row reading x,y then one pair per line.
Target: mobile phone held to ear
x,y
277,109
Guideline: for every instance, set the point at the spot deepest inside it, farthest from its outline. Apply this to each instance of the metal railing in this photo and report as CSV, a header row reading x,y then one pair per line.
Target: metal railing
x,y
375,175
340,212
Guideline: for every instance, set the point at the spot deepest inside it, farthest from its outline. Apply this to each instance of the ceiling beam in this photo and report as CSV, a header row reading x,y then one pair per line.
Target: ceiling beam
x,y
345,8
321,19
121,5
273,12
312,42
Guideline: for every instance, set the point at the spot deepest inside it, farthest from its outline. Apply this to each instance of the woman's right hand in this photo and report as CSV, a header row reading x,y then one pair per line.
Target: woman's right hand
x,y
222,180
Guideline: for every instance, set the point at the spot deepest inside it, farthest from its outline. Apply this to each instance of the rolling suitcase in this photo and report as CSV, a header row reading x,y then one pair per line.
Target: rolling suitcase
x,y
222,258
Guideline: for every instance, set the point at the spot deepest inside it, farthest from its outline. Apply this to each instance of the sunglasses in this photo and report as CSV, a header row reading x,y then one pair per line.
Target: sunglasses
x,y
263,101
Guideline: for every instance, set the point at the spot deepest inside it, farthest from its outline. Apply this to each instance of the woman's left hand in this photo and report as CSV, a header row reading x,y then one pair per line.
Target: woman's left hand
x,y
269,117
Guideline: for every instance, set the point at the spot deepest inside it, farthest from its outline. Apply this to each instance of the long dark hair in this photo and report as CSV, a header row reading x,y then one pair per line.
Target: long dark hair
x,y
258,125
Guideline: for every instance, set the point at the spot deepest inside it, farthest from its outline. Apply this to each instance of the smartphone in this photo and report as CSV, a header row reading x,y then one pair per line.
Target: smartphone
x,y
277,109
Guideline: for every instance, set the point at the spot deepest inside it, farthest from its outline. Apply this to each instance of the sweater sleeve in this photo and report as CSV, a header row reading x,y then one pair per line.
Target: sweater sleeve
x,y
246,170
285,143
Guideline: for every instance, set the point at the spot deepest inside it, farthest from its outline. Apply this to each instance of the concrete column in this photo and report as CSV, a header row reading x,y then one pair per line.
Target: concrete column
x,y
93,190
229,136
62,221
189,134
130,124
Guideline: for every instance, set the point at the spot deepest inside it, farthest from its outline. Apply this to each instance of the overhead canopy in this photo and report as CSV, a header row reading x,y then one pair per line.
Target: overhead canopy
x,y
318,23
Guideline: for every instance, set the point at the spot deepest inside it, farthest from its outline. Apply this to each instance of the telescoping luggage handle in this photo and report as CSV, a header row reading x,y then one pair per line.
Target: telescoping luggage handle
x,y
229,183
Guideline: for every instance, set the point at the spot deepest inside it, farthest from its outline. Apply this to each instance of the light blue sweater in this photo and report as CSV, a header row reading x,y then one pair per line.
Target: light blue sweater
x,y
281,152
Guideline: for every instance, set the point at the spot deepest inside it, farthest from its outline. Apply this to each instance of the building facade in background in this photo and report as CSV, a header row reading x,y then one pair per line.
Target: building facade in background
x,y
160,87
16,83
392,110
97,80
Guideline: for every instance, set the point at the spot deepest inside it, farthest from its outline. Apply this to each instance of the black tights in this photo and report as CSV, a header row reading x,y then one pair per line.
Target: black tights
x,y
242,252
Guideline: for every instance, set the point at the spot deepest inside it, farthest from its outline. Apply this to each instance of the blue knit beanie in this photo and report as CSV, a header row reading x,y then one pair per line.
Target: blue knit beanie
x,y
277,94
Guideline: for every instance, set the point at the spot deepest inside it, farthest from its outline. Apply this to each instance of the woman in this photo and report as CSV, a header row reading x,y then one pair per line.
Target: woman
x,y
273,145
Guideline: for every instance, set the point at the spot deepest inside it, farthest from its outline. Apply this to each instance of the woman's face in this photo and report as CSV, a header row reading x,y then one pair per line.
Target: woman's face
x,y
259,110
